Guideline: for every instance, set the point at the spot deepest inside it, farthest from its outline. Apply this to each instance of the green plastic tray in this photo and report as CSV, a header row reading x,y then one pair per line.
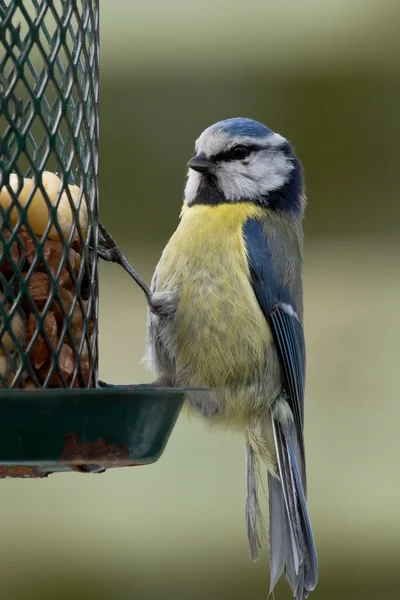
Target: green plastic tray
x,y
87,430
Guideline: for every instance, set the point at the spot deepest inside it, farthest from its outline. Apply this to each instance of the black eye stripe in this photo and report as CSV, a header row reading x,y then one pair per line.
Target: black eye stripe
x,y
228,155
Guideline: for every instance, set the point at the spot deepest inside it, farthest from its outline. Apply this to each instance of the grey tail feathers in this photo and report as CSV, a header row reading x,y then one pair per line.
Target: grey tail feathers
x,y
255,524
291,541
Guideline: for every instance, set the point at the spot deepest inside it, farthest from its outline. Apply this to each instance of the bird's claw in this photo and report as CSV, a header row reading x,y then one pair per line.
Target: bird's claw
x,y
108,254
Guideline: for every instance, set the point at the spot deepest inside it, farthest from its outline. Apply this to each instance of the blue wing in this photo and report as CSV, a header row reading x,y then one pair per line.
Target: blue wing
x,y
292,546
280,311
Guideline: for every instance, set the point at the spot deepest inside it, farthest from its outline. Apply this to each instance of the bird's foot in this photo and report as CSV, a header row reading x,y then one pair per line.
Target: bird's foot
x,y
109,254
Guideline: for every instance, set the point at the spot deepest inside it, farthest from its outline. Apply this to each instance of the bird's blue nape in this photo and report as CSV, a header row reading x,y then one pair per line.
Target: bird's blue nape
x,y
241,126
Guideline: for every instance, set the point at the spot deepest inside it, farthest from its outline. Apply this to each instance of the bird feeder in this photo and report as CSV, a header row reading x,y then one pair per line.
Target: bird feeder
x,y
55,415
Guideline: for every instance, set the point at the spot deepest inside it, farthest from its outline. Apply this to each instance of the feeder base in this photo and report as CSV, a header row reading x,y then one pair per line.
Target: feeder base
x,y
84,430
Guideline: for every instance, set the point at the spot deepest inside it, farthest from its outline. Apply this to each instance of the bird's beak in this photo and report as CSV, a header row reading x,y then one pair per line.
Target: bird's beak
x,y
200,163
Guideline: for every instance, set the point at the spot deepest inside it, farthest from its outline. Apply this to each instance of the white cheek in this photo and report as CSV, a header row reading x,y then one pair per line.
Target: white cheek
x,y
234,184
192,185
276,172
262,175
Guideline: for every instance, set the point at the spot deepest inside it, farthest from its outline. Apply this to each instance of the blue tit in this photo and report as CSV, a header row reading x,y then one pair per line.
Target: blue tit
x,y
226,314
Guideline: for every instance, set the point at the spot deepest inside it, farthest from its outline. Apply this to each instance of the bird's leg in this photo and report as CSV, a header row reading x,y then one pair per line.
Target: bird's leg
x,y
110,252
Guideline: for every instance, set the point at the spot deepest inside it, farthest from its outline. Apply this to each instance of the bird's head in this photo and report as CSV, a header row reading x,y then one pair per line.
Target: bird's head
x,y
241,160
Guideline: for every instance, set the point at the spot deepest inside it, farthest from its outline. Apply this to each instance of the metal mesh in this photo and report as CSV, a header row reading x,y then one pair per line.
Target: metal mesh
x,y
49,124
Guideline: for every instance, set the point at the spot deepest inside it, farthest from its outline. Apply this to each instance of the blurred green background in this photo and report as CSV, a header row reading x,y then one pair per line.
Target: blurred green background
x,y
325,75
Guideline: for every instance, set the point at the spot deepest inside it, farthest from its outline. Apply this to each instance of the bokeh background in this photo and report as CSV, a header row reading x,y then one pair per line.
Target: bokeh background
x,y
325,75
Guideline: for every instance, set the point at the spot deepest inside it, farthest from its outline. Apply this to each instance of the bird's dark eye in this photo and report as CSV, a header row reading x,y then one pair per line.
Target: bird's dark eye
x,y
239,152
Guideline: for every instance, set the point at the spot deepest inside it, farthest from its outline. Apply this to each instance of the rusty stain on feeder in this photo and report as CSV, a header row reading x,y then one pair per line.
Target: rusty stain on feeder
x,y
20,472
98,452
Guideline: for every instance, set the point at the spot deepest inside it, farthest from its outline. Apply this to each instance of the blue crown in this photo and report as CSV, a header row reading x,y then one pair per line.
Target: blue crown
x,y
243,127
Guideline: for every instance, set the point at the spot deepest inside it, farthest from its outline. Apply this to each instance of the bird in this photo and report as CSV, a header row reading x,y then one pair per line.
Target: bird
x,y
226,315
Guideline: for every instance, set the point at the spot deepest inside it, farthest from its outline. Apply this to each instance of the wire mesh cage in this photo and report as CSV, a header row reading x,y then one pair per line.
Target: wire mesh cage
x,y
49,245
49,127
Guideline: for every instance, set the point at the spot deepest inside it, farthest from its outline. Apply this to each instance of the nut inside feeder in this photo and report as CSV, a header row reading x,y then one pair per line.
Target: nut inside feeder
x,y
45,287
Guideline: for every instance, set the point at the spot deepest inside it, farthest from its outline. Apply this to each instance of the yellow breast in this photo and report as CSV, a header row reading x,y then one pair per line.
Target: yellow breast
x,y
221,333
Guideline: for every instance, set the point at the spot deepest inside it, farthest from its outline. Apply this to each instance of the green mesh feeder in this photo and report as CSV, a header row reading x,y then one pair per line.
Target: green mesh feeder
x,y
54,413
